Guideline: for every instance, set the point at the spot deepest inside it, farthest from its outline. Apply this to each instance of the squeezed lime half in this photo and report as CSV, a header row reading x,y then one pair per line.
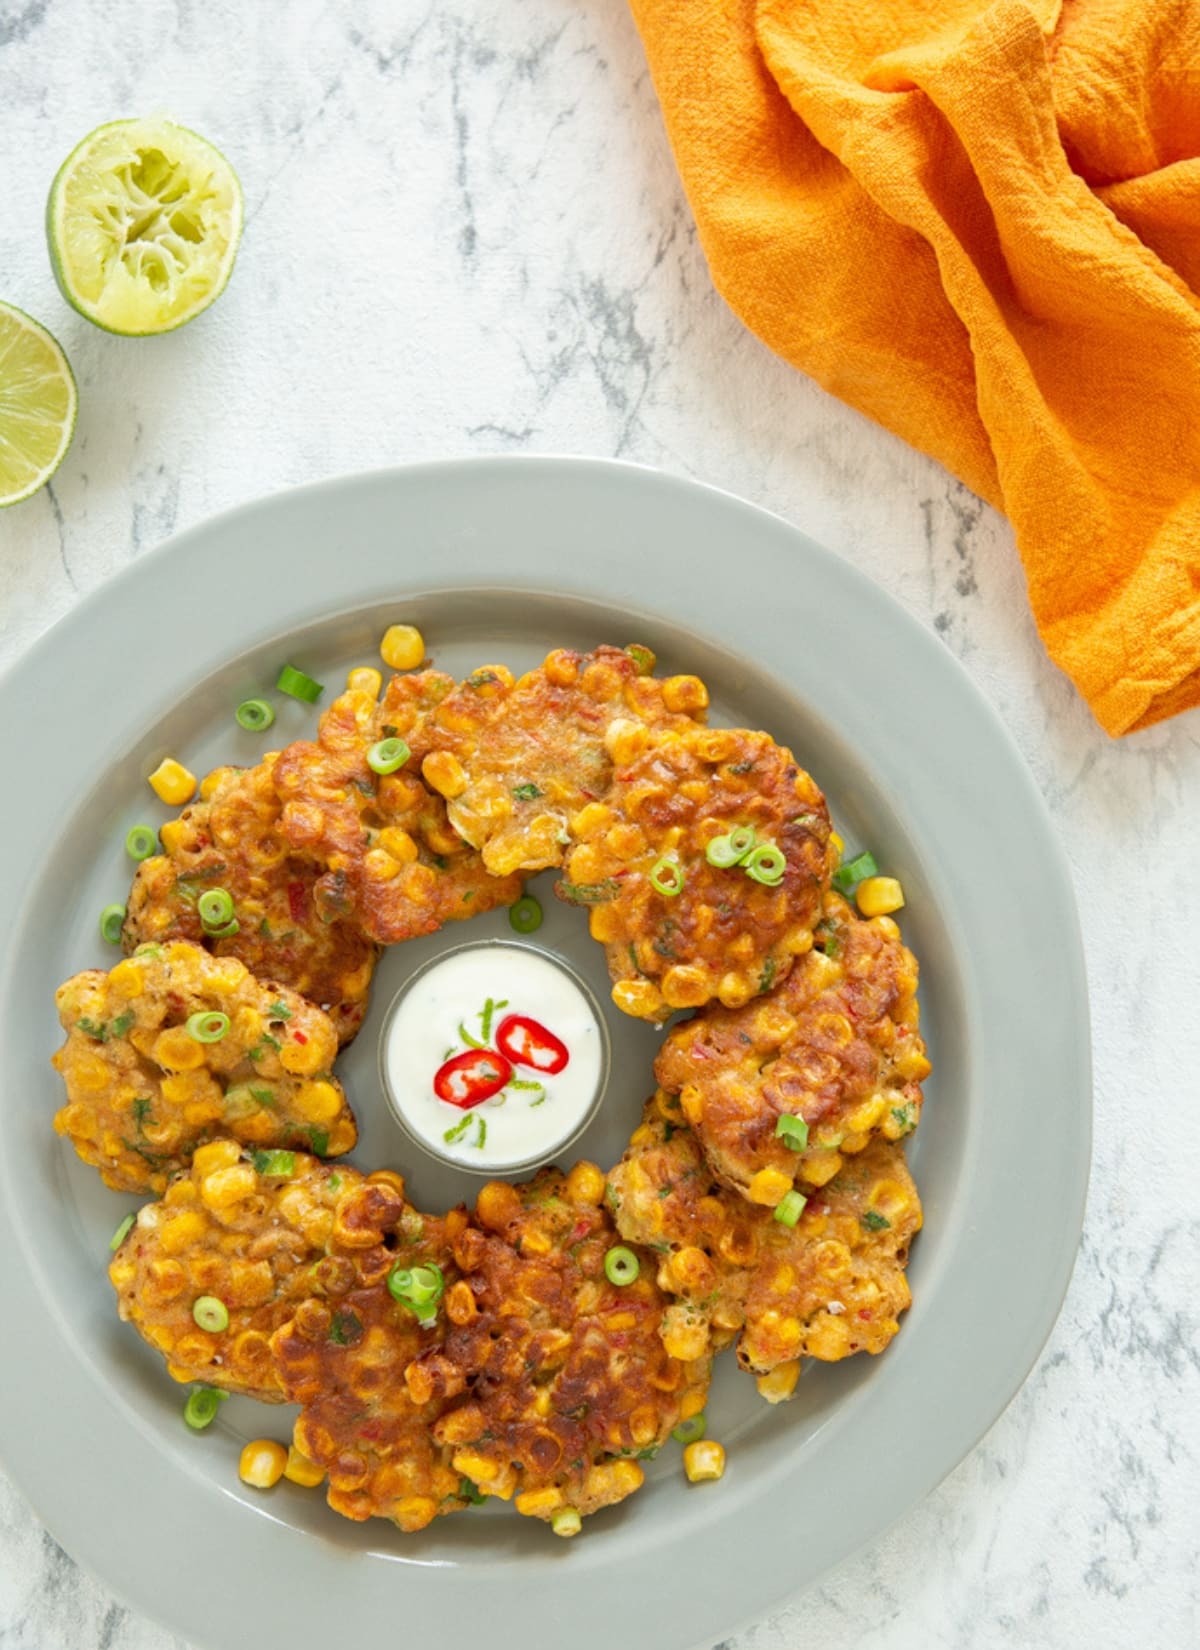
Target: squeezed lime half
x,y
38,403
143,221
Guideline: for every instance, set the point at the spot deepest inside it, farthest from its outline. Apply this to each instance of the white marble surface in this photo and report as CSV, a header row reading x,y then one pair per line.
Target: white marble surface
x,y
465,235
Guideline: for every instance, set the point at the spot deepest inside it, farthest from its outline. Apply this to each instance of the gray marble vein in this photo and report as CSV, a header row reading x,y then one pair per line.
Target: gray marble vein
x,y
466,235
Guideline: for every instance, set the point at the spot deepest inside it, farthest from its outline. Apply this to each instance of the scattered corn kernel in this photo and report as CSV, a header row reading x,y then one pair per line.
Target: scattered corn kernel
x,y
172,783
703,1460
402,647
263,1463
878,896
837,844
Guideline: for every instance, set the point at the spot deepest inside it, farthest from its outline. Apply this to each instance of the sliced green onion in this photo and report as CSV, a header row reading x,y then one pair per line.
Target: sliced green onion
x,y
855,870
793,1131
526,915
388,755
642,658
621,1266
279,1163
297,685
121,1233
742,840
231,927
215,907
765,864
207,1026
721,853
256,714
566,1521
666,876
112,920
419,1288
468,1492
202,1405
692,1430
789,1208
141,841
210,1313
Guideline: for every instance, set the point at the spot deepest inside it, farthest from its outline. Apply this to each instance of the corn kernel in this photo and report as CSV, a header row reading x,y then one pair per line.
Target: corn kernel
x,y
638,997
561,667
768,1186
837,844
127,978
780,1383
878,896
299,1469
217,1154
172,783
175,1049
398,844
445,773
402,647
318,1102
262,1463
536,1503
585,1185
365,679
686,986
705,1459
684,695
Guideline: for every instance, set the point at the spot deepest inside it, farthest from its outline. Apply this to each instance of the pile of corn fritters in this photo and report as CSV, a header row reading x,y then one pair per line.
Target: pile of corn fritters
x,y
764,1195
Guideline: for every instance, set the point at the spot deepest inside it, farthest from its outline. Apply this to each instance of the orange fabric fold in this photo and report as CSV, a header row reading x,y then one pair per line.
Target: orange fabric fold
x,y
979,223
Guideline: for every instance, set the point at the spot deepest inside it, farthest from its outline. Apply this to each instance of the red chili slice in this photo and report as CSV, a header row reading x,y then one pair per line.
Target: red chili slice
x,y
471,1078
297,901
527,1043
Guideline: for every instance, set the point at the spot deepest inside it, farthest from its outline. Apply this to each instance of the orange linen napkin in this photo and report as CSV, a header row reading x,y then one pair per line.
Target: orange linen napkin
x,y
980,224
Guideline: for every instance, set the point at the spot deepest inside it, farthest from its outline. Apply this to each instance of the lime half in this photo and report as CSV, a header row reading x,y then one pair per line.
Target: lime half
x,y
38,402
143,221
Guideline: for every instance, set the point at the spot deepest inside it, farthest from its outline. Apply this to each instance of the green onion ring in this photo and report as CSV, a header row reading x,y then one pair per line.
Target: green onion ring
x,y
789,1208
210,1314
666,876
388,755
254,715
692,1430
141,841
743,839
766,864
201,1407
525,917
215,907
793,1131
112,920
721,852
621,1266
297,685
207,1025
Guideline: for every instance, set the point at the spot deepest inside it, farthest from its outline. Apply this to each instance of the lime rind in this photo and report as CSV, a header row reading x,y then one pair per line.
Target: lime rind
x,y
39,403
143,223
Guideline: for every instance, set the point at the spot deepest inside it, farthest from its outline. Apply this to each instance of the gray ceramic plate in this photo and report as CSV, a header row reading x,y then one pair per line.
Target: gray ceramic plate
x,y
502,559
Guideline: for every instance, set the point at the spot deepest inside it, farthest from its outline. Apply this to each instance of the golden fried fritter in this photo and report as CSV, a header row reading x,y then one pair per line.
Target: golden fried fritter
x,y
716,932
836,1045
391,861
518,760
831,1286
343,1357
247,1239
562,1378
232,839
143,1091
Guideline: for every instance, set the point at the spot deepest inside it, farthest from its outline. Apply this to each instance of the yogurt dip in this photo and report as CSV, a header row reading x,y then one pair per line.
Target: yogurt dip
x,y
494,1056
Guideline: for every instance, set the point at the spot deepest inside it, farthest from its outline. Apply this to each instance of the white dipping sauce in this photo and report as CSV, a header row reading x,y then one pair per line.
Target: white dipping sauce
x,y
445,1007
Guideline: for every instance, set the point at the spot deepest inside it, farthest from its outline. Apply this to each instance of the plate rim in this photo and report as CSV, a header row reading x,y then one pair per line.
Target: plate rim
x,y
672,491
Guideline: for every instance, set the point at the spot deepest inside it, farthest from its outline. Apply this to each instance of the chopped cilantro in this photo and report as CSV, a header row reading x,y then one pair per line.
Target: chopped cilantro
x,y
906,1117
741,767
481,678
265,1097
440,861
279,1011
318,1139
526,793
767,978
468,1492
96,1029
141,1111
264,928
875,1222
